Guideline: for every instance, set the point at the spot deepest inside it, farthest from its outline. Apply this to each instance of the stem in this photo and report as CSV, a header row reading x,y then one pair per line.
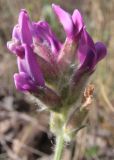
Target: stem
x,y
59,147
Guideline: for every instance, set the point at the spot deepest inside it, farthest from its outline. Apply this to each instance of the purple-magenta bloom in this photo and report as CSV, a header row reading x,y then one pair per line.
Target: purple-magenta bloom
x,y
72,24
78,41
28,69
25,37
44,61
89,53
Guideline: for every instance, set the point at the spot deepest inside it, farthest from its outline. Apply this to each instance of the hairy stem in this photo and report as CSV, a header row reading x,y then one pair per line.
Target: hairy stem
x,y
59,147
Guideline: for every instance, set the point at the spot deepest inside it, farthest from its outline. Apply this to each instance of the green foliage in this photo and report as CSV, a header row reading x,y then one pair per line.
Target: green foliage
x,y
91,152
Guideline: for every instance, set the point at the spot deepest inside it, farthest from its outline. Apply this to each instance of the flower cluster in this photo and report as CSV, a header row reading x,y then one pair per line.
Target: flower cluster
x,y
55,72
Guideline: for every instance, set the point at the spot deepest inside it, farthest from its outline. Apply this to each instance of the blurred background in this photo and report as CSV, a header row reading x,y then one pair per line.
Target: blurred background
x,y
24,133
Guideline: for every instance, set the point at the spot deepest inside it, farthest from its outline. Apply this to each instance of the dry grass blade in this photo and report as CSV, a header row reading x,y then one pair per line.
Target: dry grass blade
x,y
105,97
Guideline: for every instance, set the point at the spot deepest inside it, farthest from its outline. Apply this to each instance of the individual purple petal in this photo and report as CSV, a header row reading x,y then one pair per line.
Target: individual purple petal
x,y
25,28
89,53
30,66
23,82
85,44
65,19
78,21
101,50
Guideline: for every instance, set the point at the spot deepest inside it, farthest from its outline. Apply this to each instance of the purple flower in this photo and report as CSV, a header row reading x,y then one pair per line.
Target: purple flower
x,y
44,61
89,54
28,37
29,71
72,24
